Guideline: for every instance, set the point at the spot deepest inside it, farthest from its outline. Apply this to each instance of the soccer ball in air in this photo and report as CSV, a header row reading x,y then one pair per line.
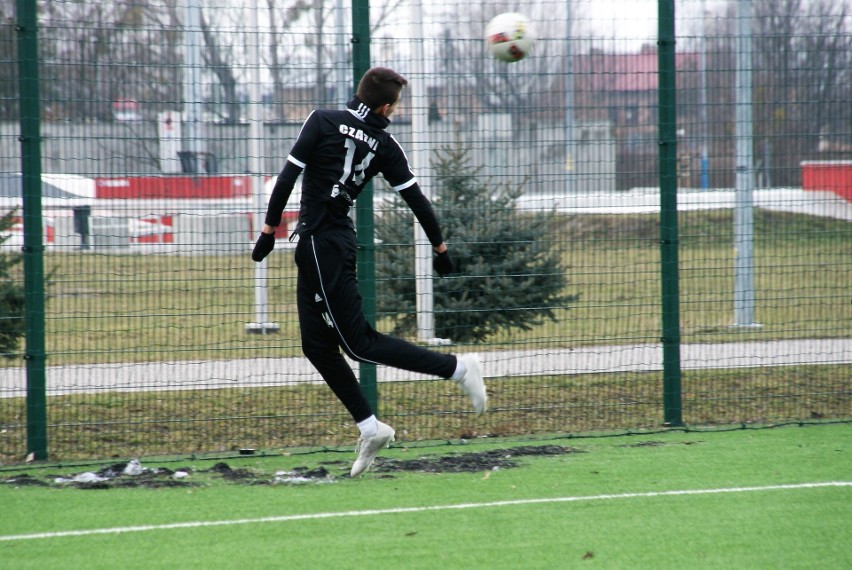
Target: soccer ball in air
x,y
509,36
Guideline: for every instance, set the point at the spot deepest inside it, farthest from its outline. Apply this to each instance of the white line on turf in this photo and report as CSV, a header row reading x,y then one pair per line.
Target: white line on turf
x,y
372,512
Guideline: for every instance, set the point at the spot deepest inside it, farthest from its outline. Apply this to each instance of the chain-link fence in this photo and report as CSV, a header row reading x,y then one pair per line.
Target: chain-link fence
x,y
650,217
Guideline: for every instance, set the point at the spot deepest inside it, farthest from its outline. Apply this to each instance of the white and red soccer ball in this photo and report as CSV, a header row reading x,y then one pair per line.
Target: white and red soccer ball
x,y
509,36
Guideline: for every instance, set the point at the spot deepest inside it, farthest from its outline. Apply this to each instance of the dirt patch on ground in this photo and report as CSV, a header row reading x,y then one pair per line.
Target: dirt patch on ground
x,y
25,480
657,443
251,477
468,462
130,474
133,474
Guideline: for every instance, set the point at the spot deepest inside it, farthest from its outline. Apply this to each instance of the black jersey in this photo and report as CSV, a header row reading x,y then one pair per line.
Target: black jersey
x,y
339,152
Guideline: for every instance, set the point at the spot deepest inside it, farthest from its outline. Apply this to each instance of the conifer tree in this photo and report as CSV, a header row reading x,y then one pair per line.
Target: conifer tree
x,y
509,274
11,293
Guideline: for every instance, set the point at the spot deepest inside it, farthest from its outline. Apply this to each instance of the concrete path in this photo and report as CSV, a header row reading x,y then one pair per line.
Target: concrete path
x,y
256,372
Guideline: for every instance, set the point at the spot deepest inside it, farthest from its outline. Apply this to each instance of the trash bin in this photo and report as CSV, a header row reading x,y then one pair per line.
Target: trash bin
x,y
188,161
81,224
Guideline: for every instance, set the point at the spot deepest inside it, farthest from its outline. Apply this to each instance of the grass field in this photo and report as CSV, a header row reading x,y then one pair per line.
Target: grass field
x,y
151,423
756,498
129,307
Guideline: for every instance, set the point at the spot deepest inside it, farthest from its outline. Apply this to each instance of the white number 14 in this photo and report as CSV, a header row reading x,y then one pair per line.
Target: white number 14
x,y
357,173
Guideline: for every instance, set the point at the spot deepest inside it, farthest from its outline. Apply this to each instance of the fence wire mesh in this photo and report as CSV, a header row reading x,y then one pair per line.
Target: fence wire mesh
x,y
164,125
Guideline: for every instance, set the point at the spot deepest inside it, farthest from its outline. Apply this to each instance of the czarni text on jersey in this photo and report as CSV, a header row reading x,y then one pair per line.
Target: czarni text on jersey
x,y
359,135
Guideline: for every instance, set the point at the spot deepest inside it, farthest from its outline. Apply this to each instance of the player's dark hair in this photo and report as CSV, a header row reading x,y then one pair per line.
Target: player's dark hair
x,y
380,86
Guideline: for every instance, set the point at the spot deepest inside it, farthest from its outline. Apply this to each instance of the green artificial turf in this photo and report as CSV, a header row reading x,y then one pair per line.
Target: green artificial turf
x,y
607,504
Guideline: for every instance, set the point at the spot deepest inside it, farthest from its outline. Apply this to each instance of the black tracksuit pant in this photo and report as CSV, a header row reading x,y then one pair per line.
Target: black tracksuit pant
x,y
331,316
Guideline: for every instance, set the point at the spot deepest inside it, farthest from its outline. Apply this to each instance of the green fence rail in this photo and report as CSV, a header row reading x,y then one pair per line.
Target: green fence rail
x,y
650,214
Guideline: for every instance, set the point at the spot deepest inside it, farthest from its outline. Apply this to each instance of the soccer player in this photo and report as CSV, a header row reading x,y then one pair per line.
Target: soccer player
x,y
339,151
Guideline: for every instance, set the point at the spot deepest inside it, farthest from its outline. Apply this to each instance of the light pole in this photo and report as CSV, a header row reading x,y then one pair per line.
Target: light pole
x,y
705,159
193,139
261,323
570,166
744,174
420,138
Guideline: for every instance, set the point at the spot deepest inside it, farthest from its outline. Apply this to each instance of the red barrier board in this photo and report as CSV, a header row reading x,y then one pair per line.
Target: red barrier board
x,y
175,187
832,175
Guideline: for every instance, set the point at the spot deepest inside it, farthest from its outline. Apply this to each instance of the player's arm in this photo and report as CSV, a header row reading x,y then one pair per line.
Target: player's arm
x,y
397,172
281,194
422,208
401,179
302,148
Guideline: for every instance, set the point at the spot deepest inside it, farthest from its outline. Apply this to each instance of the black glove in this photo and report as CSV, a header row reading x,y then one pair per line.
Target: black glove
x,y
265,244
442,263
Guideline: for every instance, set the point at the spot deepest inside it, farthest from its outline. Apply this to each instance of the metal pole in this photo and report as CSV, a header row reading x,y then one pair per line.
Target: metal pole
x,y
667,88
744,175
342,80
705,158
420,141
35,358
570,167
192,38
261,324
364,223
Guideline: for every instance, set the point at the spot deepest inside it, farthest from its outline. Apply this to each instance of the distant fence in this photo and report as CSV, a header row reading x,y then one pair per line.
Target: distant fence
x,y
699,229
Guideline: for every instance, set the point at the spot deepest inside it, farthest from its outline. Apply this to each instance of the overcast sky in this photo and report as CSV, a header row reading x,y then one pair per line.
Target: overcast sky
x,y
637,19
621,18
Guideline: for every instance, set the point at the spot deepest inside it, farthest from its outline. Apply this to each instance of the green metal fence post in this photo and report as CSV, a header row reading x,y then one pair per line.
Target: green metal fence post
x,y
364,205
672,408
28,79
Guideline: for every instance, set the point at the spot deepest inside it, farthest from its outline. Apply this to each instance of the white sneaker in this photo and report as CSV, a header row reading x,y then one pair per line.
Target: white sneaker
x,y
368,448
472,383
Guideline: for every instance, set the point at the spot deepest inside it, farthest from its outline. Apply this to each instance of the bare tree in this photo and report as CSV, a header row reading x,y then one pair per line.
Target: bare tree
x,y
533,91
828,73
305,57
280,19
801,62
117,55
219,59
